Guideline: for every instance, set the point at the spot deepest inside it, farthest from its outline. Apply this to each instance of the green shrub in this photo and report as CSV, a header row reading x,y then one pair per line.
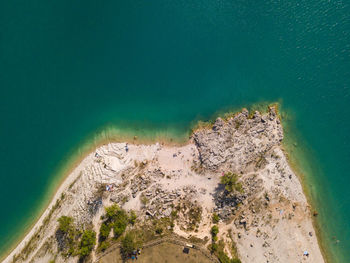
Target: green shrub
x,y
104,245
195,215
112,212
117,219
214,231
230,180
221,255
213,247
65,223
128,245
87,243
215,218
132,218
105,229
119,227
223,258
67,227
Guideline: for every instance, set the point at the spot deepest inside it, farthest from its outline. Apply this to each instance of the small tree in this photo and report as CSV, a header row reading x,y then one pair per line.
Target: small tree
x,y
67,242
132,217
116,219
223,258
215,218
112,211
104,245
230,180
105,229
119,228
65,223
214,231
128,245
213,247
87,243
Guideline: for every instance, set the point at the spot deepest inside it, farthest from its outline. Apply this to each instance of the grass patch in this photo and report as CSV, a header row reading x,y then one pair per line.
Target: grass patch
x,y
230,180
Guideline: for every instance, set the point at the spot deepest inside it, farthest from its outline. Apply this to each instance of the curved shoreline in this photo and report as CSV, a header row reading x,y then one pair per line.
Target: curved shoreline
x,y
77,158
293,163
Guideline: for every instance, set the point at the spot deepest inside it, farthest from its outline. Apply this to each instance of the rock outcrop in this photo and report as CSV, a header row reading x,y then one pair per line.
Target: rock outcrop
x,y
238,142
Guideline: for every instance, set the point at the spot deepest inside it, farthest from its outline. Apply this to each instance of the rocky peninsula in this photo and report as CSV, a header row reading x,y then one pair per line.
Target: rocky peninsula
x,y
228,192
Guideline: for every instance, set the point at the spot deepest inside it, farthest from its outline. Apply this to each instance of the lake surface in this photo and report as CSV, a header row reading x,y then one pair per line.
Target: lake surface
x,y
70,69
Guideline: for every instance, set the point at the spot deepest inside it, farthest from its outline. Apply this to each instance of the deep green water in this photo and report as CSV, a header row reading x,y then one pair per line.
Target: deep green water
x,y
70,68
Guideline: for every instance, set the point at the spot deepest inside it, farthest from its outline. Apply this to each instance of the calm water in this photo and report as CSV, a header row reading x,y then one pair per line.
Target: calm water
x,y
69,68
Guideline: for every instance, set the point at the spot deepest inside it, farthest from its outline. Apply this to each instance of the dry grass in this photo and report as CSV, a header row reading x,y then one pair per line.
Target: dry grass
x,y
162,253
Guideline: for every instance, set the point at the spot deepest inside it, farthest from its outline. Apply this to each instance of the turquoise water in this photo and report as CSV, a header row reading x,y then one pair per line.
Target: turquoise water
x,y
68,69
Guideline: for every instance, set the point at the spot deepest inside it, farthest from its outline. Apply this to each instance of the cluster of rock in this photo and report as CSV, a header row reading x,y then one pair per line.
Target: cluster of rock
x,y
138,184
226,203
236,143
159,202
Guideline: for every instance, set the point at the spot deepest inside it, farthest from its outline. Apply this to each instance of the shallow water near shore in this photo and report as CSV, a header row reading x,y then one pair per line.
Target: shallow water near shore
x,y
74,75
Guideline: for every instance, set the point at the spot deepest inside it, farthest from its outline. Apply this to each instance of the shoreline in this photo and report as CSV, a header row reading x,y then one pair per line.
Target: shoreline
x,y
293,163
65,175
303,162
74,160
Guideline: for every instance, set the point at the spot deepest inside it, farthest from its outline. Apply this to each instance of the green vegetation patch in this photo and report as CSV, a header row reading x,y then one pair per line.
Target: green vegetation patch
x,y
214,231
71,241
128,245
68,236
195,216
215,218
217,248
87,243
65,224
230,180
116,219
222,256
